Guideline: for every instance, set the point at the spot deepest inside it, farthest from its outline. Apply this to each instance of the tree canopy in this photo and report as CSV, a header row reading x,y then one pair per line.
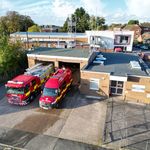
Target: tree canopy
x,y
84,21
145,24
115,25
14,22
131,22
12,58
34,28
97,23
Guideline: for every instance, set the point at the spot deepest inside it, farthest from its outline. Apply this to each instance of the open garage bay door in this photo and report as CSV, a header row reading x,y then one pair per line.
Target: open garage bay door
x,y
44,62
75,67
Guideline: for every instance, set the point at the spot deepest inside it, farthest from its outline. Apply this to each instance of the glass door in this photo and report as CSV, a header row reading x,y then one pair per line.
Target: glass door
x,y
116,87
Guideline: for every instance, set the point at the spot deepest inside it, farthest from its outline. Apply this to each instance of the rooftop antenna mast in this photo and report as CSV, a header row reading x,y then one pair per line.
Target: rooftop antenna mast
x,y
27,36
72,27
94,29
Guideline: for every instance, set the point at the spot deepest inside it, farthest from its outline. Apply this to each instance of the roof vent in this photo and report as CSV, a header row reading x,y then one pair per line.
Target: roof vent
x,y
100,57
98,62
135,65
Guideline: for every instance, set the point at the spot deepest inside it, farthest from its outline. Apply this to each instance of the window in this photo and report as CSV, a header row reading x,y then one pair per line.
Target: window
x,y
63,86
113,83
116,87
50,92
120,84
94,84
138,88
122,39
27,88
11,90
119,91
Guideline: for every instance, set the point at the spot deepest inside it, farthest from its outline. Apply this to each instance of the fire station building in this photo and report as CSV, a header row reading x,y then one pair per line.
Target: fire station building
x,y
72,58
101,74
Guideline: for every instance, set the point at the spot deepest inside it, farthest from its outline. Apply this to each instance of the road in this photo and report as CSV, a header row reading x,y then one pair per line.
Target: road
x,y
78,123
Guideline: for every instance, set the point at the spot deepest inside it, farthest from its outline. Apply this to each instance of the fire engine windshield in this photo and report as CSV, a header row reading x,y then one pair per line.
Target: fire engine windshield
x,y
50,92
15,90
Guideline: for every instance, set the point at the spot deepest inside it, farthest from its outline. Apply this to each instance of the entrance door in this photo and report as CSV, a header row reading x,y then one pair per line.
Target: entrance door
x,y
116,87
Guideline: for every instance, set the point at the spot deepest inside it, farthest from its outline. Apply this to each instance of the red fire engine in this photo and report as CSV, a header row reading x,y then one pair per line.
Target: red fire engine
x,y
55,88
22,89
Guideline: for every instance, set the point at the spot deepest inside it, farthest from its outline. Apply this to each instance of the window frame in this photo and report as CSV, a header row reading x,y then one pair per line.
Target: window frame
x,y
97,81
27,86
138,88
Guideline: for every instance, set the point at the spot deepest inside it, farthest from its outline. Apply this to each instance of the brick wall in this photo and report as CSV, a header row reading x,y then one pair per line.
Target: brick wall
x,y
32,61
143,97
103,83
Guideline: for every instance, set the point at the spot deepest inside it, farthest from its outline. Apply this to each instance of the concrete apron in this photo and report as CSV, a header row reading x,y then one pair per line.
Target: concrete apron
x,y
86,123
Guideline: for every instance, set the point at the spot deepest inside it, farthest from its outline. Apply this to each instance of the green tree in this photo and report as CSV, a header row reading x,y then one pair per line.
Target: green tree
x,y
12,58
97,23
65,26
25,23
103,27
131,22
34,28
81,17
14,22
3,26
145,24
115,25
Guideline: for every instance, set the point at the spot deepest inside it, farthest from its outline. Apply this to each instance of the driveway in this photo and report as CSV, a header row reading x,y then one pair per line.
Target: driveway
x,y
77,124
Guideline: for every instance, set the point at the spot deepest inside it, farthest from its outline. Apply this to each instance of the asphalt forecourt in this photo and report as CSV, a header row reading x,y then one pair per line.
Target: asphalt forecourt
x,y
78,123
127,125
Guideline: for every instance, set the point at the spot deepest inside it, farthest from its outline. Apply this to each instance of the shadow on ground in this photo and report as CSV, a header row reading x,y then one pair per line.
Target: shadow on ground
x,y
28,140
127,125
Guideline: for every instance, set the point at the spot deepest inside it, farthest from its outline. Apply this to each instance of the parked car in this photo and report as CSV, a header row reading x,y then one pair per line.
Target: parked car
x,y
144,47
118,49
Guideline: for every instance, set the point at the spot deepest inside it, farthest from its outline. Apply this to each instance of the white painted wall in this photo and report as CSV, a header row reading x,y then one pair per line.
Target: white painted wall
x,y
108,37
124,32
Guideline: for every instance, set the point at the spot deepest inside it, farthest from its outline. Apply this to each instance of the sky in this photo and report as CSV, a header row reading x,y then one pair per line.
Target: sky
x,y
48,12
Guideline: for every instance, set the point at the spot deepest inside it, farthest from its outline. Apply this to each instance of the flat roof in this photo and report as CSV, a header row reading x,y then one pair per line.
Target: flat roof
x,y
118,64
75,53
48,34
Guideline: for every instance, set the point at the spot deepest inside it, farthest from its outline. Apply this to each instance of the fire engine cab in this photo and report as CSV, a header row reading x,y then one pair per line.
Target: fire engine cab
x,y
22,89
56,88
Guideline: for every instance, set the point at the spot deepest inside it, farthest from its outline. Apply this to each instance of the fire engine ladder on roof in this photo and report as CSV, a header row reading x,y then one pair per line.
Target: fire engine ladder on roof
x,y
34,67
39,70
